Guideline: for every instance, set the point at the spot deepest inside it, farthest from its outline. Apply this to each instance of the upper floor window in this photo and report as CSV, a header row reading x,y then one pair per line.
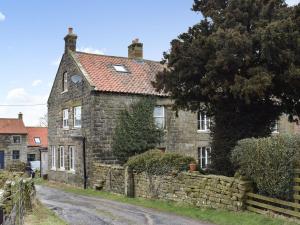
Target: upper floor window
x,y
65,118
77,116
65,82
159,116
204,157
203,122
16,139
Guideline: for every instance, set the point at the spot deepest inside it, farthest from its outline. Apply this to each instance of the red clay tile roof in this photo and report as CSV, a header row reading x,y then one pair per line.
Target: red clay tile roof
x,y
12,126
104,77
37,132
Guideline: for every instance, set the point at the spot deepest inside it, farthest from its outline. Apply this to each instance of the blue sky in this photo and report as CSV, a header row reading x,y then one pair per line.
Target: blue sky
x,y
32,32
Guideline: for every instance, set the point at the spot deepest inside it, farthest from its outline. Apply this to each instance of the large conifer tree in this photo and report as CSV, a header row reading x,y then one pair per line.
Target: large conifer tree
x,y
240,64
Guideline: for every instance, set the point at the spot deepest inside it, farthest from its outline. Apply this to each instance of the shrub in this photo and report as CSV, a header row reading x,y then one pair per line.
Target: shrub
x,y
156,162
269,163
17,166
136,131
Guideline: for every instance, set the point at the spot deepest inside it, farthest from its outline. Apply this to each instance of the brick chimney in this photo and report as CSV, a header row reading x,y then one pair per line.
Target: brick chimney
x,y
135,50
20,116
70,41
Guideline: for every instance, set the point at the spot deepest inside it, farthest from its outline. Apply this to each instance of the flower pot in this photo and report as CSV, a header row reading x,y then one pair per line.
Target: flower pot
x,y
193,167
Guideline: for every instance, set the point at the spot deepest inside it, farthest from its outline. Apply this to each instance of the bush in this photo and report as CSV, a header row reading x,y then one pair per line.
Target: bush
x,y
269,163
156,162
17,166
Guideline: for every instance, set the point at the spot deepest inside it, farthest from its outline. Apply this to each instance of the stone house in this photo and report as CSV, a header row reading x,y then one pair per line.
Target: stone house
x,y
87,95
20,143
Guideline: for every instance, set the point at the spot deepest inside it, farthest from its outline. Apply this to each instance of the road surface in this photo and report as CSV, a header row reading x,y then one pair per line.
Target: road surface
x,y
83,210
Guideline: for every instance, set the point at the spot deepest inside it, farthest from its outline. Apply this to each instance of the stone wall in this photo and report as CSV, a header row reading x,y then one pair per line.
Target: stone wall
x,y
195,189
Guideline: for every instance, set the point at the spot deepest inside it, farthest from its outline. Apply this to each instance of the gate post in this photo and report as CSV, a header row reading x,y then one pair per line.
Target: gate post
x,y
129,182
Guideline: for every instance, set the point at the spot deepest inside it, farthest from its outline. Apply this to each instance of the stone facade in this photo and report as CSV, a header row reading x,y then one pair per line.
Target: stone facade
x,y
209,191
8,146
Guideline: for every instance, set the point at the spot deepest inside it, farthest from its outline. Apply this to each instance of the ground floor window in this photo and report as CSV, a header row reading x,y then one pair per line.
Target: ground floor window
x,y
30,157
71,158
61,157
204,156
53,157
16,154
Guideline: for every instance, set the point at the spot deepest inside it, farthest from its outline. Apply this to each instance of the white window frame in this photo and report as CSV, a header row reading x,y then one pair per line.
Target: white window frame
x,y
160,116
53,158
275,129
202,117
62,157
65,82
207,157
77,116
37,142
65,118
71,158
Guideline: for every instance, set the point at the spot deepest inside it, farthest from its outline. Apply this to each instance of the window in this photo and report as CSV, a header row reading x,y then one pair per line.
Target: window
x,y
53,157
120,68
65,118
203,122
30,157
159,116
65,82
275,129
16,154
71,158
61,157
16,139
37,140
204,156
77,116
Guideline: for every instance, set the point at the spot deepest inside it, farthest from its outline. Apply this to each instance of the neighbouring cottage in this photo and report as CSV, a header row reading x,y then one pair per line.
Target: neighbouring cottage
x,y
87,95
20,143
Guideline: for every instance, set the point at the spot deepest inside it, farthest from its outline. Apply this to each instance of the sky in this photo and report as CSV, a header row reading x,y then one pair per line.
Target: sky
x,y
31,41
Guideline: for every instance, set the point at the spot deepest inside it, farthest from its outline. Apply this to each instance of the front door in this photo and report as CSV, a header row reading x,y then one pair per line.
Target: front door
x,y
1,159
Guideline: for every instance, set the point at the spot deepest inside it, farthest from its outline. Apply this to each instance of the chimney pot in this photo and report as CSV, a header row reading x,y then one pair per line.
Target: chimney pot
x,y
20,116
70,29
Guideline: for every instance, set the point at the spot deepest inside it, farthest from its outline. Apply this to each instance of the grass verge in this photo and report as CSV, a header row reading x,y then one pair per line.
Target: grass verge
x,y
219,217
41,215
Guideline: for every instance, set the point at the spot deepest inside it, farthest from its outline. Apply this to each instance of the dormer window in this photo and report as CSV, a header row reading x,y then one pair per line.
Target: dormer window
x,y
65,82
120,68
37,140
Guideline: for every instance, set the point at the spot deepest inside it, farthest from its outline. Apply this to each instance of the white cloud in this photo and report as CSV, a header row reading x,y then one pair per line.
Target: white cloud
x,y
92,50
36,83
2,17
17,98
292,2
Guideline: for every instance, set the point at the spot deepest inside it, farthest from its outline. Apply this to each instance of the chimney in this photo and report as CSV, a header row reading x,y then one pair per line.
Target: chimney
x,y
20,116
70,41
135,50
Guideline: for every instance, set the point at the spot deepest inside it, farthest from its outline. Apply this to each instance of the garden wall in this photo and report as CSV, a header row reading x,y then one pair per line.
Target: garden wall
x,y
210,191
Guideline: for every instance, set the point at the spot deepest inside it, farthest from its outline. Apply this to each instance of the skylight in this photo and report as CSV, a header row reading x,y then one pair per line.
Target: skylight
x,y
120,68
37,140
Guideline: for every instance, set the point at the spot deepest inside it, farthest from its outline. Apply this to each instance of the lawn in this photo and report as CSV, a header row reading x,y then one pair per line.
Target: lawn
x,y
219,217
41,215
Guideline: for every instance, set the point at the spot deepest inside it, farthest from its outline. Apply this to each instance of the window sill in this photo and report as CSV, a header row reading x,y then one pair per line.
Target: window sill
x,y
76,128
65,128
203,131
64,91
53,169
71,171
61,169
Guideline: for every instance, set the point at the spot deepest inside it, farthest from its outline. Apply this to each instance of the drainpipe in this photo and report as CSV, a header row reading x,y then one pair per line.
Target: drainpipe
x,y
40,150
84,163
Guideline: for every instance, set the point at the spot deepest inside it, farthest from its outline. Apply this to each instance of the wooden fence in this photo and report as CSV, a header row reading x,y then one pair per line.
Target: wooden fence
x,y
262,204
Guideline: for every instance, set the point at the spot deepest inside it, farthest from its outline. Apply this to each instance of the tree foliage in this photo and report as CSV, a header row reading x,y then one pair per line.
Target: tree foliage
x,y
240,64
136,132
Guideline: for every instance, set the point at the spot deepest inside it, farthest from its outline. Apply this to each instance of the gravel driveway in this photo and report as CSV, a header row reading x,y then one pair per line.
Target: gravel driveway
x,y
83,210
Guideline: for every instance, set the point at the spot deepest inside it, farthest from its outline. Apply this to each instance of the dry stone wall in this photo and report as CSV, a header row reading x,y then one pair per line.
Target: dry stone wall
x,y
195,189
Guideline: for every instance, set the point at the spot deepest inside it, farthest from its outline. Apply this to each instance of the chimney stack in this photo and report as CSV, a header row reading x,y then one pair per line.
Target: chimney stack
x,y
70,41
20,116
135,50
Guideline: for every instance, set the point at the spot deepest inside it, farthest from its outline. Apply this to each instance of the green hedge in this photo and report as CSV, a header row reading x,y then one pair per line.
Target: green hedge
x,y
269,163
156,162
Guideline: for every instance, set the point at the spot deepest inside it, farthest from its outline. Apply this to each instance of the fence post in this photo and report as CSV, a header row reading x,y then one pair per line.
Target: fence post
x,y
129,183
